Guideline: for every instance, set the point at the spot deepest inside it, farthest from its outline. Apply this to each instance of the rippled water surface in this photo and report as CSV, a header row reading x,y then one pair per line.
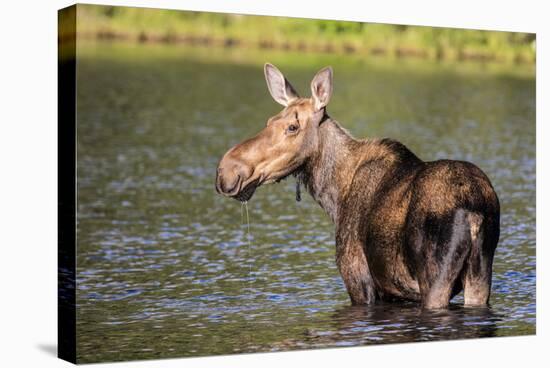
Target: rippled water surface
x,y
165,265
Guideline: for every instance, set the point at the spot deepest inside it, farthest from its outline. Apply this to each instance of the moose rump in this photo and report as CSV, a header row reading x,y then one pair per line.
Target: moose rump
x,y
431,232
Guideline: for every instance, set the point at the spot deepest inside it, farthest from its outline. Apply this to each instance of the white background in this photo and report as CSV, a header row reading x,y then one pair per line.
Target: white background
x,y
28,181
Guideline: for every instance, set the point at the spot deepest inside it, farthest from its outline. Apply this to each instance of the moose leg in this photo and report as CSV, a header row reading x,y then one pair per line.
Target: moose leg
x,y
477,278
477,282
442,258
352,264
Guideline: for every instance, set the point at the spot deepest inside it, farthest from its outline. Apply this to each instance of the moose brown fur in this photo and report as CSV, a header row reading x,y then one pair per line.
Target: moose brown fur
x,y
405,228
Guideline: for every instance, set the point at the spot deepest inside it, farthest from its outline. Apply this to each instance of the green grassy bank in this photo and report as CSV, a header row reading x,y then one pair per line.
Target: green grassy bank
x,y
232,30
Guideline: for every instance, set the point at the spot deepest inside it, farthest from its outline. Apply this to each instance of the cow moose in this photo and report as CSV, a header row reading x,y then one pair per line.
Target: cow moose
x,y
406,229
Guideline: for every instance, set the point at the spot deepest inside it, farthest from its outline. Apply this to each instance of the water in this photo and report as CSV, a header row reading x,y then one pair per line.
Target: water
x,y
168,268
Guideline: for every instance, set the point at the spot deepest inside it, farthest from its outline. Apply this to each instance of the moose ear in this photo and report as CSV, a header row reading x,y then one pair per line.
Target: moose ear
x,y
281,90
321,88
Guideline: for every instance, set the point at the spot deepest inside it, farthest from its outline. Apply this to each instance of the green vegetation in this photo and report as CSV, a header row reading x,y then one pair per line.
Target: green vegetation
x,y
155,25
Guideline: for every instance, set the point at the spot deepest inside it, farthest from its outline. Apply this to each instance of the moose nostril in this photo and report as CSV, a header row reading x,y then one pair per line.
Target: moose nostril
x,y
234,185
227,187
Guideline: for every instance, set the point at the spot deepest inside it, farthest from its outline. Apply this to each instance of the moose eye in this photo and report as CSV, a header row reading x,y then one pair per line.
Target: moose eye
x,y
292,128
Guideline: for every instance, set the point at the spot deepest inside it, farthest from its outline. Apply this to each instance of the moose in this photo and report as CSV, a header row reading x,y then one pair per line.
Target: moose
x,y
406,229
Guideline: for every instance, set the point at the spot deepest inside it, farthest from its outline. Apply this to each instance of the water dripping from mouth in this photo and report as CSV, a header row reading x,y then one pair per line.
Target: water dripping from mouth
x,y
249,251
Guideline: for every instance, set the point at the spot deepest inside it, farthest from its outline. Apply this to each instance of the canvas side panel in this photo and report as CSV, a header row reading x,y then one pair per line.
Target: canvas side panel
x,y
66,187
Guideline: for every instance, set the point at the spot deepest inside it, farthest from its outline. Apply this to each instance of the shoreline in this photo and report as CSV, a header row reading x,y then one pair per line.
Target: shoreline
x,y
343,48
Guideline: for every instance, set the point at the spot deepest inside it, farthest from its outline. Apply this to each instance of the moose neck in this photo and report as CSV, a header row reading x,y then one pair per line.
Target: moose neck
x,y
328,173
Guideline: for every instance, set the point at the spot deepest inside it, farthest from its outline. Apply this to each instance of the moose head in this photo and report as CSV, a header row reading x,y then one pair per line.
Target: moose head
x,y
284,145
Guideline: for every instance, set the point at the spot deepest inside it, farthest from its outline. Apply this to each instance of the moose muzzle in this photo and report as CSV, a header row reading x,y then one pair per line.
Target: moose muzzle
x,y
232,178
